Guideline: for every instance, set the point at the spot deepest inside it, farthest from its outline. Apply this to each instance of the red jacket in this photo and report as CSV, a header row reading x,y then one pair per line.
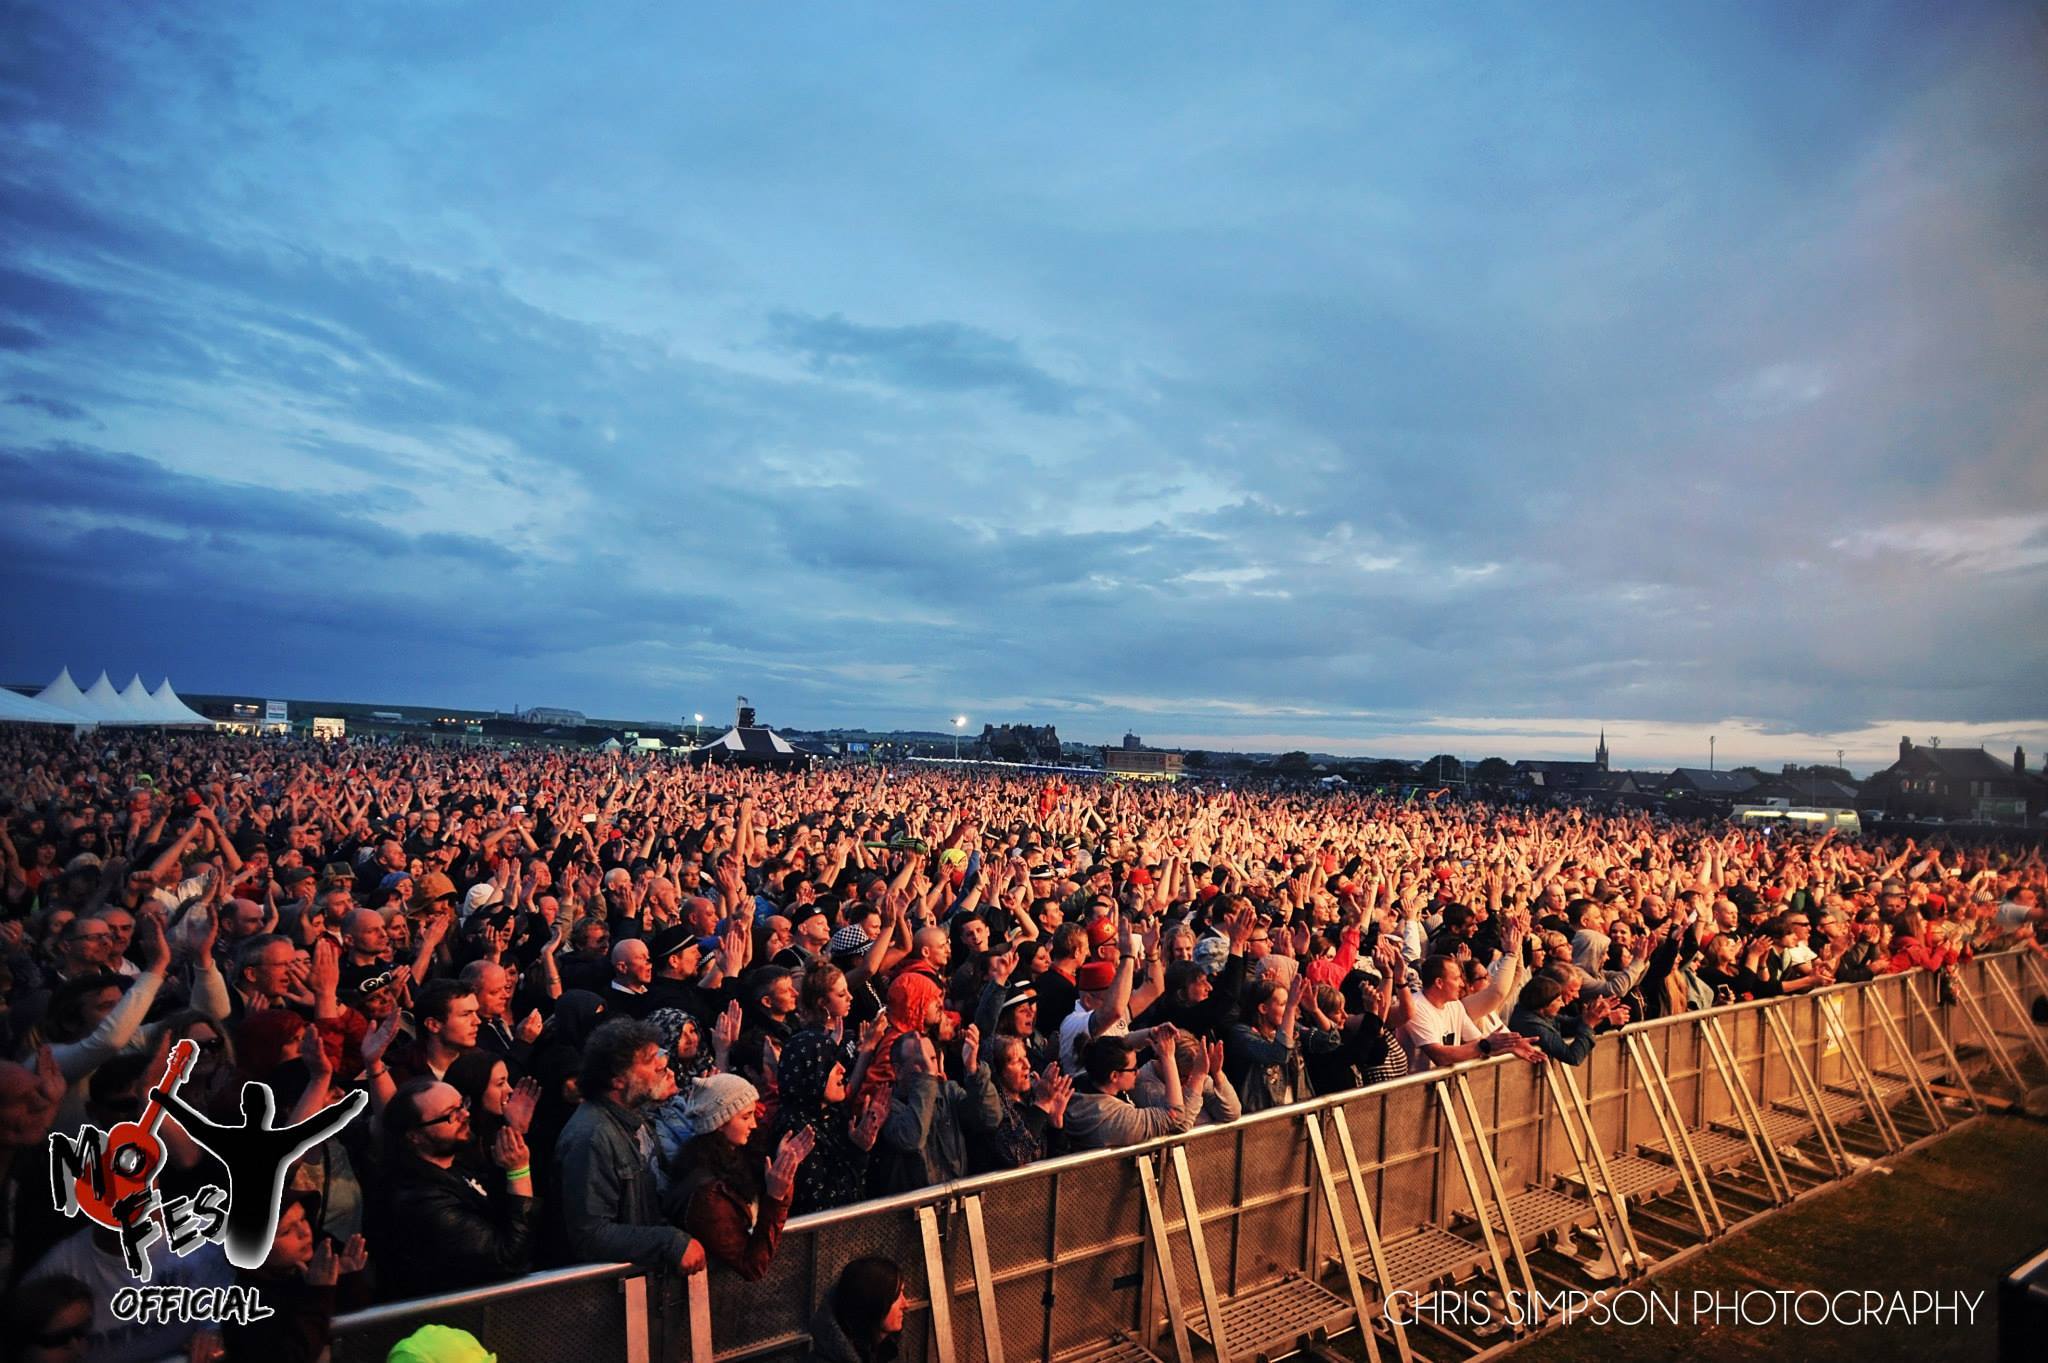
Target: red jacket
x,y
730,1231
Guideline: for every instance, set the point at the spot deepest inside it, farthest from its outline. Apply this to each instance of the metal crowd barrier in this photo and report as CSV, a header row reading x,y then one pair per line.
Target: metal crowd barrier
x,y
1306,1221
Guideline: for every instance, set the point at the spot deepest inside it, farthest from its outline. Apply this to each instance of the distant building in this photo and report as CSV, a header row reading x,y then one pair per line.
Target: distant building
x,y
1141,764
1574,777
552,717
1132,743
1819,792
1956,783
1032,743
1700,783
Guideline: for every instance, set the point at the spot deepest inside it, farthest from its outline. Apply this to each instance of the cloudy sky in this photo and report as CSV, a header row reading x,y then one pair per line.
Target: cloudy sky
x,y
1388,379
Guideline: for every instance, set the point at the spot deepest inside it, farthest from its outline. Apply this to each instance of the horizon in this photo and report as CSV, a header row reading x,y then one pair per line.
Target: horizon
x,y
1367,383
1750,749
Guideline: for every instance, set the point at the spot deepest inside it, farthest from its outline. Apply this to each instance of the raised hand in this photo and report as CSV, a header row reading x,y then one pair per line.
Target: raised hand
x,y
324,1270
156,950
789,1156
379,1038
529,1027
1062,1093
324,976
520,1106
355,1255
868,1128
725,1031
209,933
508,1147
314,1052
970,1048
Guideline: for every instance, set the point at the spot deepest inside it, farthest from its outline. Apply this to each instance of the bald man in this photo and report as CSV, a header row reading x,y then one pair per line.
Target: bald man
x,y
497,1031
632,972
931,951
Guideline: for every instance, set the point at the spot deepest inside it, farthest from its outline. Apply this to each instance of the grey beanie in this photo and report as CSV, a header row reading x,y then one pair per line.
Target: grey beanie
x,y
716,1099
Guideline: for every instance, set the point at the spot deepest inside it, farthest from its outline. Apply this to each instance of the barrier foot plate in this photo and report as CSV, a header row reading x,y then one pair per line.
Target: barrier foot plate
x,y
1118,1348
1280,1314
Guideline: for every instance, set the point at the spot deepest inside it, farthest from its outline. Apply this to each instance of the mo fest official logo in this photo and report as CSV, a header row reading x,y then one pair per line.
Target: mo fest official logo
x,y
110,1177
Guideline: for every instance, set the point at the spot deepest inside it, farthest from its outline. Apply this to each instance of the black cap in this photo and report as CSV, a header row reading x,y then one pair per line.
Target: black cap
x,y
670,941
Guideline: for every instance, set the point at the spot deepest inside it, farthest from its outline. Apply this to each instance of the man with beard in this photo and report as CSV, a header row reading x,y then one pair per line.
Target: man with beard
x,y
446,1228
609,1207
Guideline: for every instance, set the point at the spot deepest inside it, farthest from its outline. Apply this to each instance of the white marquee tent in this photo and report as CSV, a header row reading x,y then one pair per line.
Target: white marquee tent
x,y
165,702
64,694
105,705
16,708
100,703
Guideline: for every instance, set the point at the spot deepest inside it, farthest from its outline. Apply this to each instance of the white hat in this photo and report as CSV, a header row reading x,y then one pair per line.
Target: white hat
x,y
481,895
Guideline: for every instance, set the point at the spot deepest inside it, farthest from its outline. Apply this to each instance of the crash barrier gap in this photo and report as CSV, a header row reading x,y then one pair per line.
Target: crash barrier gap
x,y
1292,1225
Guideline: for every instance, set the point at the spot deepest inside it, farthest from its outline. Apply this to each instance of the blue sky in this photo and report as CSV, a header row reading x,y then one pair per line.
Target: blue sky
x,y
1389,380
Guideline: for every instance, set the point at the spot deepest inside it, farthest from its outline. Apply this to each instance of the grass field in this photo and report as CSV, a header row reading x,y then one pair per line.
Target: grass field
x,y
1955,1215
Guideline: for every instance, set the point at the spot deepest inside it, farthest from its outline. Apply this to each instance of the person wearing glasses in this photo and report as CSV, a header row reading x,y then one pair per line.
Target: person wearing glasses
x,y
1101,1115
445,1228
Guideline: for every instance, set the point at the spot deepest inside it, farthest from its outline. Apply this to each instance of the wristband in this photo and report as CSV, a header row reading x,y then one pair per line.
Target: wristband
x,y
514,1175
1485,1046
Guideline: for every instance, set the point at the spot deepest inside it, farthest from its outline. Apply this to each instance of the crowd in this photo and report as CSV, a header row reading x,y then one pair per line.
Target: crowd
x,y
613,1008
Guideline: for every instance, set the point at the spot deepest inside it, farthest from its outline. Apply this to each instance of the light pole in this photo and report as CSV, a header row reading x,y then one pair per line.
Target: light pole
x,y
1710,752
959,724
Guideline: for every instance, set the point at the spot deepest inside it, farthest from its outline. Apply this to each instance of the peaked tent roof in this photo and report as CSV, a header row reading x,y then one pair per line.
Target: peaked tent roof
x,y
16,708
105,705
755,745
137,698
166,702
65,695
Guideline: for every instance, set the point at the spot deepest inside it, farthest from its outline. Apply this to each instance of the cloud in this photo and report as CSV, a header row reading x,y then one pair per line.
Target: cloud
x,y
1120,369
55,408
939,357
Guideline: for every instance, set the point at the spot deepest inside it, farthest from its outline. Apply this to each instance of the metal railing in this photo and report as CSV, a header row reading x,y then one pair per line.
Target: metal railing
x,y
1309,1217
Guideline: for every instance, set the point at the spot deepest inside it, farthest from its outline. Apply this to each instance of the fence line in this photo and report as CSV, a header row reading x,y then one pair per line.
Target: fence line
x,y
1221,1241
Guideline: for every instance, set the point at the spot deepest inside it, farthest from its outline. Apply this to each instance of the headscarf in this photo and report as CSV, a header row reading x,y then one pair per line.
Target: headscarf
x,y
911,997
831,1174
807,1063
669,1023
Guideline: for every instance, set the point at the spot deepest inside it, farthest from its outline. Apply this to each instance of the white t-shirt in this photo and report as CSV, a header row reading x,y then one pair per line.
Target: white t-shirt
x,y
1074,1036
1432,1025
116,1341
189,888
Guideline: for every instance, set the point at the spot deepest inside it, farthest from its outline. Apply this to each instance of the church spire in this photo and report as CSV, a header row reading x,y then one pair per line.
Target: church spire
x,y
1600,753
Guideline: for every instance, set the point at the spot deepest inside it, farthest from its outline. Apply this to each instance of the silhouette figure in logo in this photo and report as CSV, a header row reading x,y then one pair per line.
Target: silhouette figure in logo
x,y
256,1156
